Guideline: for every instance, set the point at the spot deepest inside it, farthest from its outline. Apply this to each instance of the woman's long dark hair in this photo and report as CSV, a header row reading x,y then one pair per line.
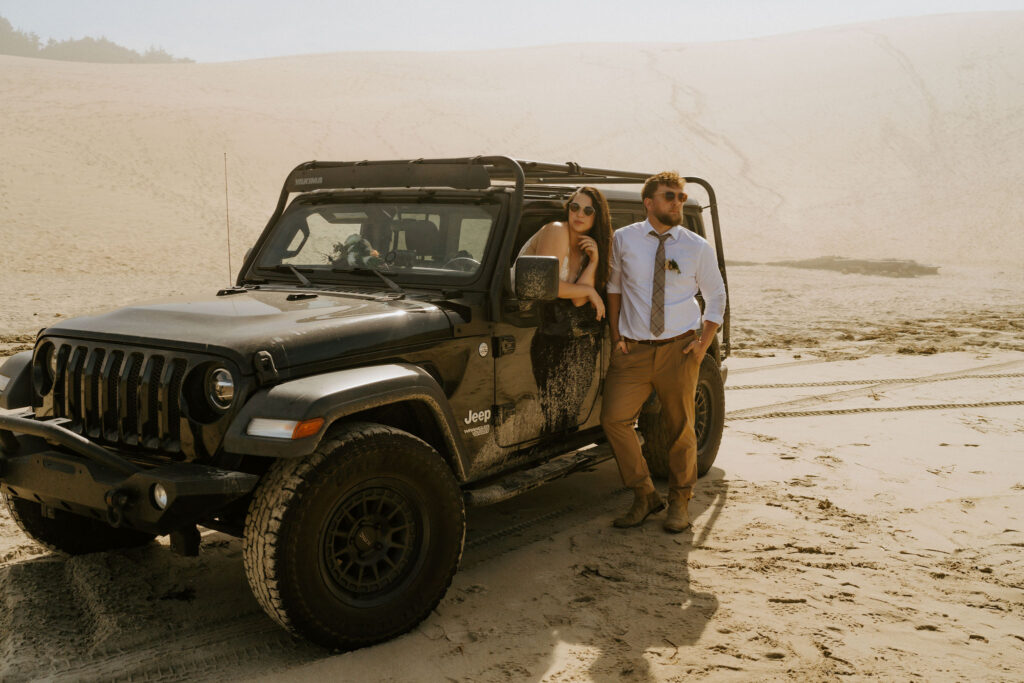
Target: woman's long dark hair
x,y
601,232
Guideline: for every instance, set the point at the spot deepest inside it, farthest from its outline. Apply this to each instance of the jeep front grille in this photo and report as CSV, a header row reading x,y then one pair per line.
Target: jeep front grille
x,y
121,396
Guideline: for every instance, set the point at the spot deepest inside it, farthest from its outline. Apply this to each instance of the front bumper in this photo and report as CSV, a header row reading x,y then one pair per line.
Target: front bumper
x,y
86,479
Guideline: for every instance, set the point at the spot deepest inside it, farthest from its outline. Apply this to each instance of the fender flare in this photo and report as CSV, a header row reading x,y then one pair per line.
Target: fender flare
x,y
17,392
333,395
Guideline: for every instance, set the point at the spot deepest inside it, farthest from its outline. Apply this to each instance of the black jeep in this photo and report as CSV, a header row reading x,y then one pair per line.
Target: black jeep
x,y
368,377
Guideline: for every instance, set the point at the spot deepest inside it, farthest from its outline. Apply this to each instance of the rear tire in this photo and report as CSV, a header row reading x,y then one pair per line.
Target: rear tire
x,y
709,421
69,533
357,542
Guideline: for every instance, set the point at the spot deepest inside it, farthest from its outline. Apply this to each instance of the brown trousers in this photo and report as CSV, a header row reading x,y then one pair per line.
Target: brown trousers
x,y
631,376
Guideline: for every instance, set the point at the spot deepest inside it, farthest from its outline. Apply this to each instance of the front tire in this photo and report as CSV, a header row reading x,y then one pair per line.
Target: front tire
x,y
69,533
709,421
359,541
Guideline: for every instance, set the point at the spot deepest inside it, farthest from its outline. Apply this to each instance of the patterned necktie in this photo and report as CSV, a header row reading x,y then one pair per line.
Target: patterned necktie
x,y
658,293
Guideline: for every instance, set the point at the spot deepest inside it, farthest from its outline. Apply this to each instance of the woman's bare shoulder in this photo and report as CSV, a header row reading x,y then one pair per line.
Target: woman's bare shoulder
x,y
554,239
555,233
560,227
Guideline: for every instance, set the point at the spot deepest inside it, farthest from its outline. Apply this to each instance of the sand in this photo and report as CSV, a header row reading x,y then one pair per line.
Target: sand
x,y
870,534
886,543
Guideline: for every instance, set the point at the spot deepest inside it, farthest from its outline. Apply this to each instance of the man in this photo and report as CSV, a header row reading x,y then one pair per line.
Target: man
x,y
658,341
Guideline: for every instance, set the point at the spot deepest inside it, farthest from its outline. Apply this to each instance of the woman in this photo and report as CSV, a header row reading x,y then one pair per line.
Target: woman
x,y
581,242
565,349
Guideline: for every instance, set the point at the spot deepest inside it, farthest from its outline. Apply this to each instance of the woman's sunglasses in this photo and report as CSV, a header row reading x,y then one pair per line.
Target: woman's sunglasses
x,y
575,208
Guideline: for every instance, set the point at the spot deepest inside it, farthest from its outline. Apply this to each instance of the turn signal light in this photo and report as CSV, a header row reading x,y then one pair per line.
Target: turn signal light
x,y
307,428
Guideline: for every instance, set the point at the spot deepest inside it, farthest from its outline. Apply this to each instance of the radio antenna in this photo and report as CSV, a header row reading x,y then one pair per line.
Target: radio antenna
x,y
227,216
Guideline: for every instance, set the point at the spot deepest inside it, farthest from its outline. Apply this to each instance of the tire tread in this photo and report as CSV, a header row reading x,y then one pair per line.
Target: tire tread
x,y
280,489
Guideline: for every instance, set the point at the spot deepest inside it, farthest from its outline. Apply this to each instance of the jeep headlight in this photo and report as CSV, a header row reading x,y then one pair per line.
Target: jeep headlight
x,y
220,388
44,368
159,497
46,360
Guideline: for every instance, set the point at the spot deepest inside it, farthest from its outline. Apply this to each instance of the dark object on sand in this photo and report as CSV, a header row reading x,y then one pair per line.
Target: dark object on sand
x,y
886,267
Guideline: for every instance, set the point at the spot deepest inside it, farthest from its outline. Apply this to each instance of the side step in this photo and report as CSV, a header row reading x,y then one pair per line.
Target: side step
x,y
525,480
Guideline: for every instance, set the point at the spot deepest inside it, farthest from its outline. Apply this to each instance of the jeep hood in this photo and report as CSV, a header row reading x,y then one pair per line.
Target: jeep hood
x,y
296,330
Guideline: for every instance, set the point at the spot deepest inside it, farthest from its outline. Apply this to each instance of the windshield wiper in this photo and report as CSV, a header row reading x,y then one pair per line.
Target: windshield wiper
x,y
363,271
286,267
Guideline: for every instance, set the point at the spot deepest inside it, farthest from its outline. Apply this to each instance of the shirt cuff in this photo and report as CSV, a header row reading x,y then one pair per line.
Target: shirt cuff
x,y
714,310
717,319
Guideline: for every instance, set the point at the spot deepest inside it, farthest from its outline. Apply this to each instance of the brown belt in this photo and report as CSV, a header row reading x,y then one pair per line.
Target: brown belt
x,y
658,342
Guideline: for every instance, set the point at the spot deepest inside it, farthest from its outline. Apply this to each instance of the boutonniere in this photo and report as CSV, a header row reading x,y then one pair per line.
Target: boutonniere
x,y
672,265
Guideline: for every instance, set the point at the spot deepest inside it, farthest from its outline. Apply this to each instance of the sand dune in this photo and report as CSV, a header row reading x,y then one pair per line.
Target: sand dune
x,y
897,139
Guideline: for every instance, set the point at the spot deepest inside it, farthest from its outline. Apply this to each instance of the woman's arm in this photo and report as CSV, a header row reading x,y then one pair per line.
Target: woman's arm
x,y
580,295
589,274
587,277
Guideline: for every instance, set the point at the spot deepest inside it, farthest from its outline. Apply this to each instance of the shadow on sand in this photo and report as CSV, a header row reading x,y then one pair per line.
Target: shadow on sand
x,y
653,609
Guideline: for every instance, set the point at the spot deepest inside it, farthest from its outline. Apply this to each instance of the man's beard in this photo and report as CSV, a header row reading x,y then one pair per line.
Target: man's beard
x,y
670,219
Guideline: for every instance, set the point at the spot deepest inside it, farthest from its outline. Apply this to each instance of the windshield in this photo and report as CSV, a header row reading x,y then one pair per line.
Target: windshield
x,y
417,238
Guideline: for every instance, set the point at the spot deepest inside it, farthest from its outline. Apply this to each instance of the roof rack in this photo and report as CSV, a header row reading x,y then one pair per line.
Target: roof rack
x,y
542,173
459,173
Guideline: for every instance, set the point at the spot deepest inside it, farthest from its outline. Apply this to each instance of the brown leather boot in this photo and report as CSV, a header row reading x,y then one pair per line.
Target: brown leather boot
x,y
644,504
677,519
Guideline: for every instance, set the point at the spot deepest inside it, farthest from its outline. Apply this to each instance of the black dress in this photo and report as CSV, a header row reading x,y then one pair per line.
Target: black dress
x,y
564,353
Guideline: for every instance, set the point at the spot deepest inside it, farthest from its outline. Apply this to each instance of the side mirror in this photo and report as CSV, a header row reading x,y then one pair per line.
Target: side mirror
x,y
536,278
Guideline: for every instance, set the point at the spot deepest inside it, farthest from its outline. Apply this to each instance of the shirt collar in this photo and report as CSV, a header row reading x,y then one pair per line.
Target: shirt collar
x,y
673,231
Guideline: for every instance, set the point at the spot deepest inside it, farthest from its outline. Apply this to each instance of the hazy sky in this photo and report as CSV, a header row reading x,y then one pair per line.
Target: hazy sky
x,y
221,30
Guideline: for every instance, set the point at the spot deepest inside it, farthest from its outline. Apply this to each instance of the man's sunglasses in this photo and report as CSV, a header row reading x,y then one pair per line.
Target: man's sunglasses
x,y
575,208
670,196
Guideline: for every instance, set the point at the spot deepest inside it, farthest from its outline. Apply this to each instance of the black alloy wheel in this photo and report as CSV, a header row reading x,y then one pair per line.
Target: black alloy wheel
x,y
702,414
371,542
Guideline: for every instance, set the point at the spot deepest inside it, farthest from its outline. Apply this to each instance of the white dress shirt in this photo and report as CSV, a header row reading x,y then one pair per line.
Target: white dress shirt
x,y
632,275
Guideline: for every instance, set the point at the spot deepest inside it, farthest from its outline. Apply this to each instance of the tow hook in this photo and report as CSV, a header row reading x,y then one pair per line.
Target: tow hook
x,y
117,500
185,541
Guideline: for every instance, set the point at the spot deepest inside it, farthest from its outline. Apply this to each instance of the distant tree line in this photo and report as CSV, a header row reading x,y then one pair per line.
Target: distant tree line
x,y
21,44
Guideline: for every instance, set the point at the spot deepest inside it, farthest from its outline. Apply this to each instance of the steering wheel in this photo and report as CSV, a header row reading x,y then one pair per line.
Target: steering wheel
x,y
466,264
